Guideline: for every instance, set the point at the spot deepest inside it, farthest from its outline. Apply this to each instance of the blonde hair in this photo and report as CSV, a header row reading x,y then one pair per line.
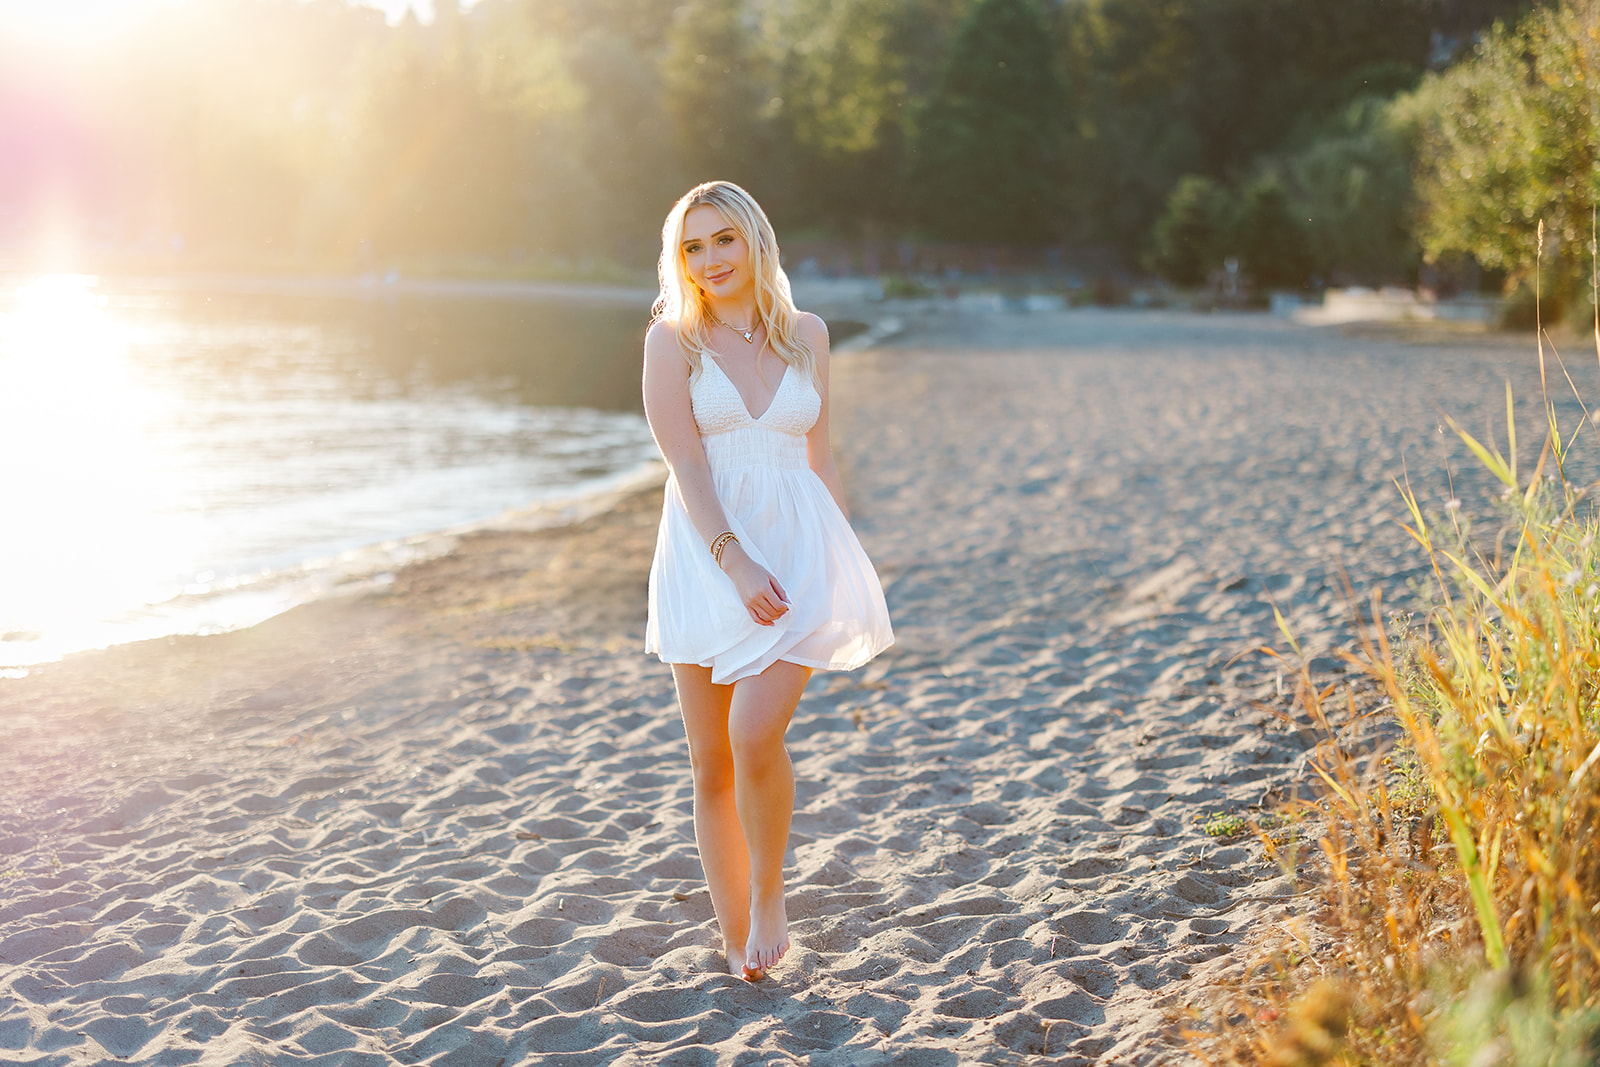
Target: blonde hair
x,y
684,304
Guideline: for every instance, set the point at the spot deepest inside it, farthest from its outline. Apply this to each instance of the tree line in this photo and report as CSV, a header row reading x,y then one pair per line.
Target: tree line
x,y
1311,141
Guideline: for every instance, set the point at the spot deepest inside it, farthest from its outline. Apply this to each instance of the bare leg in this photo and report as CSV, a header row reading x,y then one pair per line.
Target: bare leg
x,y
764,791
717,832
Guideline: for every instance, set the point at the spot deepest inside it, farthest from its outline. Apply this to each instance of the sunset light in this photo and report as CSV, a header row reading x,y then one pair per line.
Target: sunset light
x,y
949,532
93,20
77,20
78,464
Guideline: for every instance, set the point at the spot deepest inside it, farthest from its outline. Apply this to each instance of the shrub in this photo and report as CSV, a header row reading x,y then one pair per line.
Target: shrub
x,y
1459,870
1188,241
1270,242
1352,185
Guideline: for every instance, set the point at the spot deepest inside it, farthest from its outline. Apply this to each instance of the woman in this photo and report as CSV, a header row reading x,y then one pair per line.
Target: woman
x,y
757,578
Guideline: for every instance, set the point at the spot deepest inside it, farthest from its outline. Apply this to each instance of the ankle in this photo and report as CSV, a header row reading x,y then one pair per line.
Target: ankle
x,y
766,894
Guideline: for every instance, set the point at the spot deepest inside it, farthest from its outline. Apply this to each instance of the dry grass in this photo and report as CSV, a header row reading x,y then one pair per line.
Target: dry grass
x,y
1457,863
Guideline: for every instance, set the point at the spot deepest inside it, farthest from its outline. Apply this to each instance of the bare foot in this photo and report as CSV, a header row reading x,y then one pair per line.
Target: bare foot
x,y
769,934
739,968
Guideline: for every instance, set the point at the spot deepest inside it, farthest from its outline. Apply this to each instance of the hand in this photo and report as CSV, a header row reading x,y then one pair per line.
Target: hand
x,y
758,590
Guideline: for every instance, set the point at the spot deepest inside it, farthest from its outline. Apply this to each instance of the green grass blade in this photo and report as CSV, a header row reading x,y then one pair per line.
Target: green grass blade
x,y
1477,885
1511,427
1493,460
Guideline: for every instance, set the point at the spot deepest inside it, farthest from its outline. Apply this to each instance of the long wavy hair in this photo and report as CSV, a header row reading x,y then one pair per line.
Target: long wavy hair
x,y
683,304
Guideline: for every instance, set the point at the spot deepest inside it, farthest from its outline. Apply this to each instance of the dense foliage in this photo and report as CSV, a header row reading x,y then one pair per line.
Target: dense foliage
x,y
1511,138
310,133
985,165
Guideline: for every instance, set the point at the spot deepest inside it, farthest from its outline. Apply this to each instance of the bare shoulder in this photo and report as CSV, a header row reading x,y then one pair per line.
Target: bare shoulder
x,y
812,329
661,346
814,332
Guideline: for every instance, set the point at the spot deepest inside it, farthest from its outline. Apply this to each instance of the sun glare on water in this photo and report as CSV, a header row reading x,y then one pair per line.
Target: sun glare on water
x,y
79,539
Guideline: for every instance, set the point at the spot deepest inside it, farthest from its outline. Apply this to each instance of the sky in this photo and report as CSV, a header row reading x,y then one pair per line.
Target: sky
x,y
395,9
79,18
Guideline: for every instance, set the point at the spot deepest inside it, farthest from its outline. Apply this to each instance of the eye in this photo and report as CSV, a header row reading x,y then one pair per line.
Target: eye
x,y
692,249
725,240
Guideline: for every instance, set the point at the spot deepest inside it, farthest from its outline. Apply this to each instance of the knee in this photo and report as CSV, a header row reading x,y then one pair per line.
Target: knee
x,y
754,743
713,772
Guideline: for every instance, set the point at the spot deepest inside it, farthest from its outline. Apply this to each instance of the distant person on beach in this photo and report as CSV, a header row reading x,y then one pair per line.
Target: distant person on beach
x,y
758,579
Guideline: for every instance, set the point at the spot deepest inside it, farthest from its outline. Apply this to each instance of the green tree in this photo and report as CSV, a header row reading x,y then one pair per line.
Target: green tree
x,y
1269,241
1351,184
1257,68
985,162
1511,137
446,143
1189,240
719,88
1125,63
1157,89
841,99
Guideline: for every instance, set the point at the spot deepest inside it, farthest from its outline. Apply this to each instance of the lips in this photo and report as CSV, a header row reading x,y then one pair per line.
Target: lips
x,y
718,279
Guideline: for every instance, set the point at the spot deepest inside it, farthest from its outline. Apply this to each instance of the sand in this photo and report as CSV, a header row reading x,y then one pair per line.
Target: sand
x,y
450,821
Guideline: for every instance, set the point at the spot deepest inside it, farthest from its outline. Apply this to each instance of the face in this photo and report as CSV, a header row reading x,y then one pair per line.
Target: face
x,y
716,257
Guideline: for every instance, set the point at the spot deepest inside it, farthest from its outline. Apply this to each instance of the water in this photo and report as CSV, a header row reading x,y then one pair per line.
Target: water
x,y
172,462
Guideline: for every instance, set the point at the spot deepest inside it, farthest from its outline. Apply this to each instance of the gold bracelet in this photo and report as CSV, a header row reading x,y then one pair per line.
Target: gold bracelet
x,y
720,545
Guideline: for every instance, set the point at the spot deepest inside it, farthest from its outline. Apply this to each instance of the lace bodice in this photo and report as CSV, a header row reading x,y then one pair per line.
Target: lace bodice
x,y
719,409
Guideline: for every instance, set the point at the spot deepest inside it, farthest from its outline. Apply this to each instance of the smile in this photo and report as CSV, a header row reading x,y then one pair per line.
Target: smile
x,y
718,279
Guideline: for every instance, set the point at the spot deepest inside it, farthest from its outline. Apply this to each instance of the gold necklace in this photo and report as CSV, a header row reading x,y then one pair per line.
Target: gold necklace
x,y
748,335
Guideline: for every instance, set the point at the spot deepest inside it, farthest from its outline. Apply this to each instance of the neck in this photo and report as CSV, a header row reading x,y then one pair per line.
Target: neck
x,y
739,311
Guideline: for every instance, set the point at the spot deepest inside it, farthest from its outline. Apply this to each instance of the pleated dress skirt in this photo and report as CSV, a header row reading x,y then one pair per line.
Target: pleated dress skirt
x,y
788,522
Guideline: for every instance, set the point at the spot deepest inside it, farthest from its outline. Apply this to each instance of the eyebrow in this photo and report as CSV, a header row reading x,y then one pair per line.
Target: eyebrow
x,y
692,240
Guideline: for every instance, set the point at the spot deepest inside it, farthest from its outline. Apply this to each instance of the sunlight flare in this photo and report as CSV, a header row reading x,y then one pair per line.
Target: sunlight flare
x,y
75,462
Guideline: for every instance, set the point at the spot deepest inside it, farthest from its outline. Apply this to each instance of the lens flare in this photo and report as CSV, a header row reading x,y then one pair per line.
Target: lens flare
x,y
77,539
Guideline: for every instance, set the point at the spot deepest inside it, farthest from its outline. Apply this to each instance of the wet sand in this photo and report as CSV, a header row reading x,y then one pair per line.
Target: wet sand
x,y
450,822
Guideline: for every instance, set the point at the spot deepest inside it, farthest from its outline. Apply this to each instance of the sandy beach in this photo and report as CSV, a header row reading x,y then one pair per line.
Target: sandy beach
x,y
449,822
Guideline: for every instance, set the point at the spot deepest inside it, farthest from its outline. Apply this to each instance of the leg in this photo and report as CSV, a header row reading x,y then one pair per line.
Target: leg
x,y
764,791
717,832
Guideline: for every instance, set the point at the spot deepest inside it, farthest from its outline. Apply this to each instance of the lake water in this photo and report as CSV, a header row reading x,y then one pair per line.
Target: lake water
x,y
178,462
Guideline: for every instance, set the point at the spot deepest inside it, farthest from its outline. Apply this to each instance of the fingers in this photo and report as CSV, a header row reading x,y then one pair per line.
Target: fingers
x,y
769,603
767,608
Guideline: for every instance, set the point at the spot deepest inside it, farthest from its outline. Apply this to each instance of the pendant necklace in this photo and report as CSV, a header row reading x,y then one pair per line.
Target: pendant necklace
x,y
749,335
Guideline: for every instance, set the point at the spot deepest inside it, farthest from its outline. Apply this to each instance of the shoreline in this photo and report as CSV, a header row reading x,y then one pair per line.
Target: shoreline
x,y
827,293
453,816
262,594
353,572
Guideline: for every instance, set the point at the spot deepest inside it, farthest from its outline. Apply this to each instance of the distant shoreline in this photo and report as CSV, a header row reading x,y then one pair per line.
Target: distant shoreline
x,y
830,294
378,285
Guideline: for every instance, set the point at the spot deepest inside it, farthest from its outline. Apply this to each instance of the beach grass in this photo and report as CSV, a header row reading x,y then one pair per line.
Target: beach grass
x,y
1451,840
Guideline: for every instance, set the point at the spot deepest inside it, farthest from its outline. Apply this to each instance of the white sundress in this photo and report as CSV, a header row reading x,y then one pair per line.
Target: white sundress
x,y
788,522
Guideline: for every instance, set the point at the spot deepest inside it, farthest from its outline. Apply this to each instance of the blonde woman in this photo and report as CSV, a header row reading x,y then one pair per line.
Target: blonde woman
x,y
757,579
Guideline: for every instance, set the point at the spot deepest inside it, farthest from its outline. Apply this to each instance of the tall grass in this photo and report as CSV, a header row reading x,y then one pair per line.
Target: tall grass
x,y
1458,863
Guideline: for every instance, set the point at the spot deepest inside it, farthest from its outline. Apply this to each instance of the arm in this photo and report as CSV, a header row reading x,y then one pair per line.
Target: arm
x,y
819,450
671,417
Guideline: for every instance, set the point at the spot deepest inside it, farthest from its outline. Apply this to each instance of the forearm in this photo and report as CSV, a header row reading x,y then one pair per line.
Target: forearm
x,y
828,471
699,495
